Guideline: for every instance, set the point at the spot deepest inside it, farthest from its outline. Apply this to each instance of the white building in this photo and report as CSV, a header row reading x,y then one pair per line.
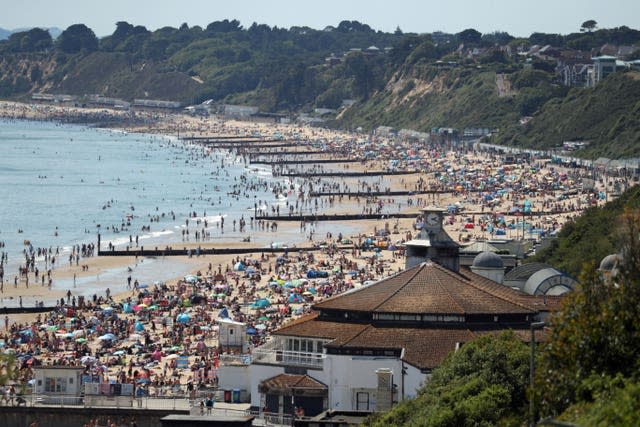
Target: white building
x,y
372,347
58,384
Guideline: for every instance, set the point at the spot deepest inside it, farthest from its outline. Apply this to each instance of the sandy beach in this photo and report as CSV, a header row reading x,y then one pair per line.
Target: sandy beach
x,y
346,259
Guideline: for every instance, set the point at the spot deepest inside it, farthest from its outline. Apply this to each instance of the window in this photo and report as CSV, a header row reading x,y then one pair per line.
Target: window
x,y
362,401
55,385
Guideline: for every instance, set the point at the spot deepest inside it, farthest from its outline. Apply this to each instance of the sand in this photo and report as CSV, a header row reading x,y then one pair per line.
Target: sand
x,y
187,125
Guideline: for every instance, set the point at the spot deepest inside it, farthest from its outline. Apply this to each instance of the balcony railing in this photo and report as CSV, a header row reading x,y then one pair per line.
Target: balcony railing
x,y
277,356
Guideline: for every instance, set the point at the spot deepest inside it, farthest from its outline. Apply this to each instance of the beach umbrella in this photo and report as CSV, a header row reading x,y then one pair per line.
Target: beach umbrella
x,y
118,353
81,340
183,318
107,337
263,319
87,360
190,278
139,326
143,286
295,298
251,330
107,309
262,303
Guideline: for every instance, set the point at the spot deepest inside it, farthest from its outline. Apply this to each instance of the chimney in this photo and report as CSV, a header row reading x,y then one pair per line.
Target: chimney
x,y
384,398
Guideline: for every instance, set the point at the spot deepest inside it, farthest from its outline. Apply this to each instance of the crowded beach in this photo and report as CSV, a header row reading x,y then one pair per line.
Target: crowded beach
x,y
163,337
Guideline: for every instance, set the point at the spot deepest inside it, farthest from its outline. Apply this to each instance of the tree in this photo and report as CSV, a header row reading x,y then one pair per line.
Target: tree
x,y
8,368
469,36
481,384
500,38
588,26
34,40
76,38
596,335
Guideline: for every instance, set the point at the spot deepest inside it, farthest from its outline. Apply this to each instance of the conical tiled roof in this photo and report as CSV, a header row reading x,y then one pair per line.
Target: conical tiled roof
x,y
429,288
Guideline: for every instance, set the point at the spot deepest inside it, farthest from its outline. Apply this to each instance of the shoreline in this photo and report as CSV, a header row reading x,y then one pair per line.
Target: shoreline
x,y
171,125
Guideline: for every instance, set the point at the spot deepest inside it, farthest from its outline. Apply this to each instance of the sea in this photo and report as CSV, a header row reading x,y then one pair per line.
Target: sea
x,y
61,185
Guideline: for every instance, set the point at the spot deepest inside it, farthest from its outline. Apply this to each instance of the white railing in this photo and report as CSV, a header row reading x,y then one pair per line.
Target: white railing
x,y
282,357
271,419
235,359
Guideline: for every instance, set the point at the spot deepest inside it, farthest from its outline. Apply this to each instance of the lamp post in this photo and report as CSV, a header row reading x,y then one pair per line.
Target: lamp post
x,y
532,405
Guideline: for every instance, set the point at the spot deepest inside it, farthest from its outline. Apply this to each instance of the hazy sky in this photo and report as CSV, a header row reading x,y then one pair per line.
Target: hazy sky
x,y
517,17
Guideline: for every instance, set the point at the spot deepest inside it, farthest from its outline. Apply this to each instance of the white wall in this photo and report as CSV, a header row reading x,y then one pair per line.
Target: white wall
x,y
413,381
347,373
344,375
73,387
260,373
234,377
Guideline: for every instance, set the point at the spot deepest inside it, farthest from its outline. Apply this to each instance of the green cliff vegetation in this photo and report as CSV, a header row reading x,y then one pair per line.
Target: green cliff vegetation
x,y
607,116
590,237
401,80
483,383
587,370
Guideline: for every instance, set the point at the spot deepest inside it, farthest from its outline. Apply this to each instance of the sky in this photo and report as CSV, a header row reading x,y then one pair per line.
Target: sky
x,y
517,17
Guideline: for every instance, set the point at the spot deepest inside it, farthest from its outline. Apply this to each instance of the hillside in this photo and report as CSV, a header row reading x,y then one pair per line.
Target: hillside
x,y
401,80
590,237
607,116
424,97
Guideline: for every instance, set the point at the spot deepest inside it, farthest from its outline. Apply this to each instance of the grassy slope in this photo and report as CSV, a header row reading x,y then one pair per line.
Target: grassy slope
x,y
113,74
607,115
591,237
456,98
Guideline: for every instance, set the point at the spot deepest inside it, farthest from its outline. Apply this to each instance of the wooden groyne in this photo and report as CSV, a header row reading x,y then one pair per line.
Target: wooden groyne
x,y
302,161
346,174
239,143
390,193
261,152
171,251
26,310
335,217
214,138
357,217
243,146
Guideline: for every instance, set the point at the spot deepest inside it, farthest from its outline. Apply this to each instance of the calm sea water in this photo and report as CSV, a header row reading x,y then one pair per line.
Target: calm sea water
x,y
62,184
